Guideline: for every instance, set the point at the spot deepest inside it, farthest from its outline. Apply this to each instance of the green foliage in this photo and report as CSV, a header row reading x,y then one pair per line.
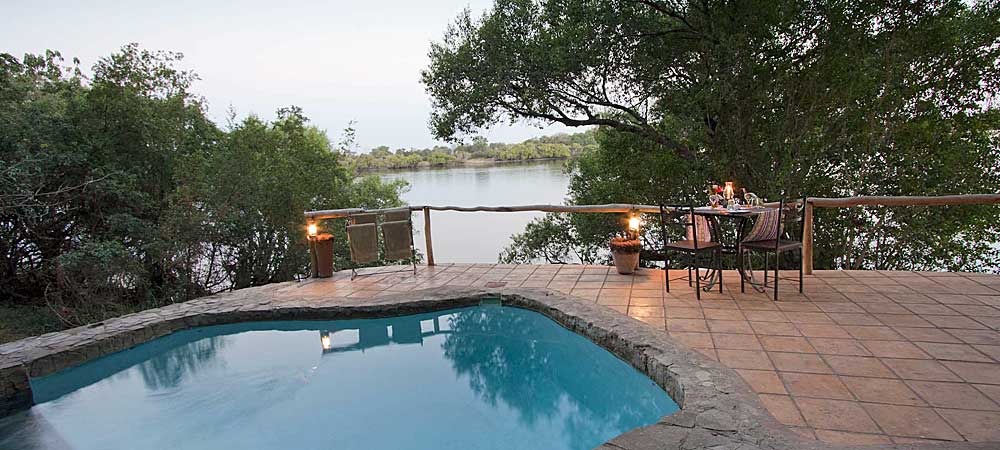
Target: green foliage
x,y
786,98
272,172
118,193
546,239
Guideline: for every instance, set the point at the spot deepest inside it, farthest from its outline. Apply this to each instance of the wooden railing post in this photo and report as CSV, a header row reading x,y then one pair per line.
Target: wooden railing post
x,y
427,236
807,238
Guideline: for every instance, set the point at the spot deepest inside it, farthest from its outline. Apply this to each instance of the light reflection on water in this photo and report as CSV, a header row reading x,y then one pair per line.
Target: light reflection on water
x,y
479,237
484,377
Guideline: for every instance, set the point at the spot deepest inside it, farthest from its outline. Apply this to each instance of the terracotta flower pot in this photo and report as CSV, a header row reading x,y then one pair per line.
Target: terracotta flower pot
x,y
626,263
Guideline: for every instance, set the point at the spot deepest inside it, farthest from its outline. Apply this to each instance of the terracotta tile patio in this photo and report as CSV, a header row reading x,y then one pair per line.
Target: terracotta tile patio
x,y
862,357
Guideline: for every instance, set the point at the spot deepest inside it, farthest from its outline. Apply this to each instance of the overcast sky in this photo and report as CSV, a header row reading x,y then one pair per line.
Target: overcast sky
x,y
338,60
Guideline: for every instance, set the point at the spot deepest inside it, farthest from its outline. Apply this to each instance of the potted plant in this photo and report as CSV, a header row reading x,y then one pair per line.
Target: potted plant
x,y
625,252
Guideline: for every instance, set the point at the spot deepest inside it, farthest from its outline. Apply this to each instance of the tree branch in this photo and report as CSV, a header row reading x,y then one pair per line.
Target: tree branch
x,y
646,131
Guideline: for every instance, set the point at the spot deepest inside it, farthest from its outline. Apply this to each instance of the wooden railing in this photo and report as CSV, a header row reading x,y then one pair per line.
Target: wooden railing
x,y
611,208
850,202
807,231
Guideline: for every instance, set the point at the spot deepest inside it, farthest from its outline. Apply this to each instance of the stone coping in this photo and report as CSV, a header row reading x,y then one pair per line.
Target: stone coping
x,y
717,409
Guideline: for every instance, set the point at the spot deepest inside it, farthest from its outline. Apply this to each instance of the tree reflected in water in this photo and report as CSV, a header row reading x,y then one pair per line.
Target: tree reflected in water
x,y
546,372
168,369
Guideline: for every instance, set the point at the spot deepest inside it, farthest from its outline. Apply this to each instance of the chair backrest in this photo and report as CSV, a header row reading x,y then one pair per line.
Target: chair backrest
x,y
793,216
783,222
396,215
397,237
362,218
362,240
396,230
767,226
695,227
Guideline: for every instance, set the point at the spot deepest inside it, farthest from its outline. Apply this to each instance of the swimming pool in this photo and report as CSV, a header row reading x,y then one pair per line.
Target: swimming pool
x,y
486,377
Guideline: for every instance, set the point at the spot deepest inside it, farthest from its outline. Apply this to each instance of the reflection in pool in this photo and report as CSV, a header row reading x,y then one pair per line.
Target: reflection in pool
x,y
470,378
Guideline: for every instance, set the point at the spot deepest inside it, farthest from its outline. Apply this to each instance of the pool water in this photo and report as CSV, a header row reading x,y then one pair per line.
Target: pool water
x,y
486,377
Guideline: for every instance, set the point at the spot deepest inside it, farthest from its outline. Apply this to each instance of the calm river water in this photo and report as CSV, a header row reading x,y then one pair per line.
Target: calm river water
x,y
479,237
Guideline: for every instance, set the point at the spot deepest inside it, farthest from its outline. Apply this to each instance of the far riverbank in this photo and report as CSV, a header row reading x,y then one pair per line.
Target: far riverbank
x,y
474,162
479,237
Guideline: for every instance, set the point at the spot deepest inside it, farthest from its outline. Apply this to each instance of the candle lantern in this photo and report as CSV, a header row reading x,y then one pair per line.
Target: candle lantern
x,y
633,226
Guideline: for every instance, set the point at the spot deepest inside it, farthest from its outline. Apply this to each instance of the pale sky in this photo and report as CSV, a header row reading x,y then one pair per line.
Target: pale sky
x,y
338,60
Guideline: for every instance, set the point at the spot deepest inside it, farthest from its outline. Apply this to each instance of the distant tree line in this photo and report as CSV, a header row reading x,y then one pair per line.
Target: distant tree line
x,y
117,193
560,146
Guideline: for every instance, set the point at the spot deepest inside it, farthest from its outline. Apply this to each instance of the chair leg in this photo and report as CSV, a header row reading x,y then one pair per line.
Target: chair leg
x,y
742,269
689,276
767,268
666,272
800,271
777,265
697,278
719,261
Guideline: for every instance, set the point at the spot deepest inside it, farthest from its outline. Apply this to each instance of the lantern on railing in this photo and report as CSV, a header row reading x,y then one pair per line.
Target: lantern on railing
x,y
312,230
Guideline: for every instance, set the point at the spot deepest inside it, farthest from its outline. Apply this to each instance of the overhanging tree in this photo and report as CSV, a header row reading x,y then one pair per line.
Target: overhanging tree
x,y
723,79
785,97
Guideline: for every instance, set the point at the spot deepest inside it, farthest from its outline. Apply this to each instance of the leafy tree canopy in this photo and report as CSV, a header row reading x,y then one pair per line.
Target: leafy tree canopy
x,y
117,193
724,81
784,97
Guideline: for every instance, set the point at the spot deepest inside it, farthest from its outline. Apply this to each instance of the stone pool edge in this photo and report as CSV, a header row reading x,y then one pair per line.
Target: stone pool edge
x,y
718,410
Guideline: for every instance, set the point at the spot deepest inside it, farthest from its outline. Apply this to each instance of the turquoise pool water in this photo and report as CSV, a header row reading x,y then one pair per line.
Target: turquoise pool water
x,y
486,377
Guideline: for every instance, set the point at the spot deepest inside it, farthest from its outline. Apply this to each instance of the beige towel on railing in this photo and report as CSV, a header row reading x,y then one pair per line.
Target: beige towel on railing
x,y
358,219
395,215
398,239
364,243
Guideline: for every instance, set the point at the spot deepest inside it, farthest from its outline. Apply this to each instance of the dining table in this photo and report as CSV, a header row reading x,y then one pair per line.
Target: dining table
x,y
729,237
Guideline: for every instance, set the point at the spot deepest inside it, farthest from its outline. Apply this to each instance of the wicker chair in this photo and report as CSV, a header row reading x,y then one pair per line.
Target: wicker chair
x,y
694,245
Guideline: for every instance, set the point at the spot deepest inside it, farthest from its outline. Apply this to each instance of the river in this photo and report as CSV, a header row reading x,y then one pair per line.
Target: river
x,y
480,236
